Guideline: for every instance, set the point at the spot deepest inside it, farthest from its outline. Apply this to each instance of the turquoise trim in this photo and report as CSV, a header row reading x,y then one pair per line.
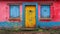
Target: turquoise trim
x,y
40,24
10,24
48,24
23,14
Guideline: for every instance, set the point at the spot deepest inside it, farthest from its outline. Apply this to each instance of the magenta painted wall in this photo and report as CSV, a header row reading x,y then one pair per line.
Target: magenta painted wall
x,y
21,12
4,11
39,11
56,11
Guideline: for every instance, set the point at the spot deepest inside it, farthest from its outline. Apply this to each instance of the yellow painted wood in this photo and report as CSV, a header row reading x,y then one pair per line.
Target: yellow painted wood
x,y
30,16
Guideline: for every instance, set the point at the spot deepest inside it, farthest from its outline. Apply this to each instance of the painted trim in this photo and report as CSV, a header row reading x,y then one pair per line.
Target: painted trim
x,y
48,24
29,3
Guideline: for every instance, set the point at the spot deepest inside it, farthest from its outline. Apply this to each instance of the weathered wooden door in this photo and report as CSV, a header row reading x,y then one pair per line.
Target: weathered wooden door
x,y
30,16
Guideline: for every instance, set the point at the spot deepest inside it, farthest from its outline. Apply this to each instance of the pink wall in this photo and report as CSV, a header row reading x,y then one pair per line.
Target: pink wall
x,y
56,11
39,12
21,12
4,11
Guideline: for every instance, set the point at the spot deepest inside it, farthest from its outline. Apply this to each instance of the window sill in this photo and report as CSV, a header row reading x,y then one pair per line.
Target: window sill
x,y
45,19
15,20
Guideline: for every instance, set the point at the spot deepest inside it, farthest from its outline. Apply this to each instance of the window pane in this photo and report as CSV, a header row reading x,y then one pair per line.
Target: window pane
x,y
14,11
45,11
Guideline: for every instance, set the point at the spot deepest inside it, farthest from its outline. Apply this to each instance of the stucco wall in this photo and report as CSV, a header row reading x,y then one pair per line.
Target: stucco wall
x,y
56,11
4,11
54,14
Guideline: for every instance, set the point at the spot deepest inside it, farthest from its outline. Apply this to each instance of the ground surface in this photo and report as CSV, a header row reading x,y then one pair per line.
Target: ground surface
x,y
38,31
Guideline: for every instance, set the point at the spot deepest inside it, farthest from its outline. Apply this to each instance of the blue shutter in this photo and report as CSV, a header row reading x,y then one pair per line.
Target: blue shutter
x,y
14,11
45,11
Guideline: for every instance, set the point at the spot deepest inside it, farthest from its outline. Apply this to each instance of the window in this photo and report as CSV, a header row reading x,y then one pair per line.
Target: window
x,y
45,12
14,13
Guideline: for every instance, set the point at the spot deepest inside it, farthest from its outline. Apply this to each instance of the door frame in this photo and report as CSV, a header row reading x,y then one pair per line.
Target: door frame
x,y
23,12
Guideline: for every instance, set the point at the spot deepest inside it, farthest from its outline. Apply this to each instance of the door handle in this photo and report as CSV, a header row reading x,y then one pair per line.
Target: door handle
x,y
30,10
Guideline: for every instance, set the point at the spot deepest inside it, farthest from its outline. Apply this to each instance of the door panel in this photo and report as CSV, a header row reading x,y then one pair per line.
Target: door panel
x,y
30,16
45,11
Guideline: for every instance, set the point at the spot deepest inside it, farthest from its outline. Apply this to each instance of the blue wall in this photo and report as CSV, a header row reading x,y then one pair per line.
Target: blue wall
x,y
48,24
9,24
40,24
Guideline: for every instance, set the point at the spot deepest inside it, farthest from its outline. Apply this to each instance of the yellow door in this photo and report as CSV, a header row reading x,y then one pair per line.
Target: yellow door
x,y
30,16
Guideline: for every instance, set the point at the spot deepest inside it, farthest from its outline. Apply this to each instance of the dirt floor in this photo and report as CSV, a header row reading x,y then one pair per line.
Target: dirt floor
x,y
39,31
24,32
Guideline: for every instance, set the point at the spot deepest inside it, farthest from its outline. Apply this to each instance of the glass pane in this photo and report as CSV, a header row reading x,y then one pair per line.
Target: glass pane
x,y
14,11
45,11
